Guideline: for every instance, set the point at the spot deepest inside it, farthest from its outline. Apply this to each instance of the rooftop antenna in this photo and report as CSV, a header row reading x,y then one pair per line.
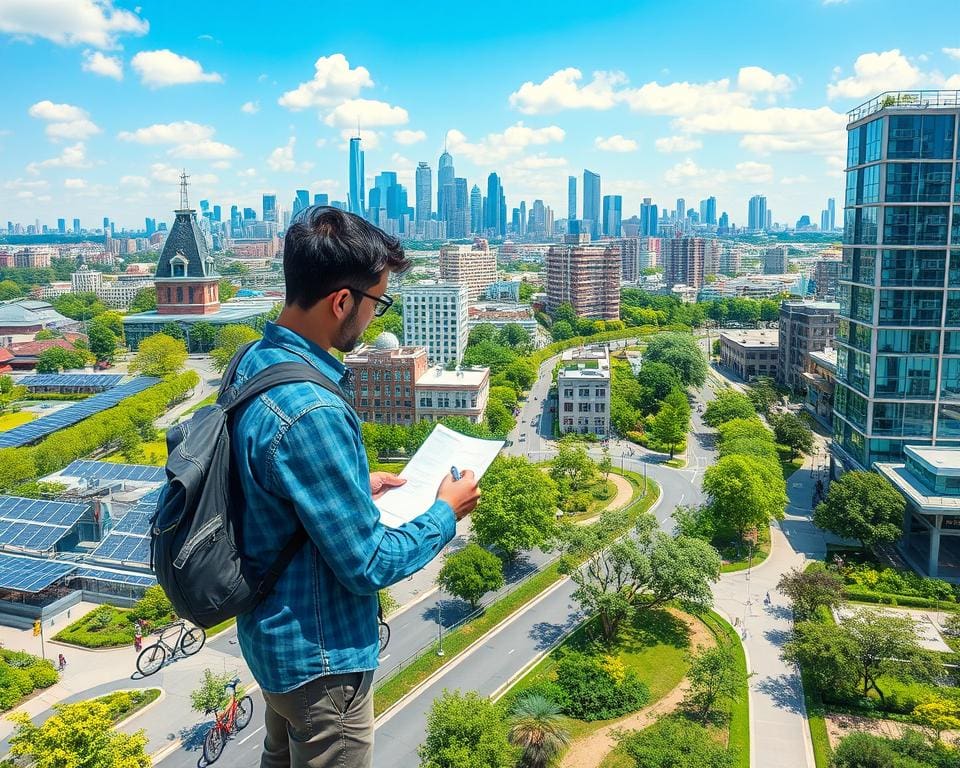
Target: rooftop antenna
x,y
184,203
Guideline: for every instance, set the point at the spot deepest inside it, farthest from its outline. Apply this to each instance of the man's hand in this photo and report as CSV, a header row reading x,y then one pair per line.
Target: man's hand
x,y
381,482
462,495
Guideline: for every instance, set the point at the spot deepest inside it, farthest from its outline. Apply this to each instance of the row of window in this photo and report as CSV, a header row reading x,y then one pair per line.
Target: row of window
x,y
397,375
397,390
909,137
902,225
585,407
904,183
585,392
901,307
906,267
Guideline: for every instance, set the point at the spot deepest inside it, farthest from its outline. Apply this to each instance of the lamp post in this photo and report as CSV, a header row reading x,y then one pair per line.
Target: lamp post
x,y
439,625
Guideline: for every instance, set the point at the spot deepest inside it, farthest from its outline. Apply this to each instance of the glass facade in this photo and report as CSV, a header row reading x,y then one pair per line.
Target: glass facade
x,y
898,355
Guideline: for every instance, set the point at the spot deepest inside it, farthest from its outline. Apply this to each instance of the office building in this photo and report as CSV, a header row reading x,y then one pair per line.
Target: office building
x,y
648,218
820,380
461,392
723,223
805,327
384,375
474,266
612,215
269,209
583,391
445,175
898,353
301,201
750,354
832,212
571,198
320,198
826,278
587,277
500,314
592,213
631,263
85,280
680,211
424,191
775,260
476,209
824,220
757,213
688,260
495,212
357,194
708,211
435,317
76,227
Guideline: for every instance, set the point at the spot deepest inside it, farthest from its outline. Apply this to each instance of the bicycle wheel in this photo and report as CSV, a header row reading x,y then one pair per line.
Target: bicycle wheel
x,y
213,744
384,636
151,659
192,641
244,712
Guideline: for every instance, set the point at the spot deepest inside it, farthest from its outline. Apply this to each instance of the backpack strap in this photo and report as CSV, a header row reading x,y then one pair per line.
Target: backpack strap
x,y
228,375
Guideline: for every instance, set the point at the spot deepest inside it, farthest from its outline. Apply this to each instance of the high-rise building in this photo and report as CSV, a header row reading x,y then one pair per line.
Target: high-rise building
x,y
538,221
648,218
424,191
832,210
775,261
61,226
495,220
301,201
723,223
320,198
804,327
688,260
571,197
826,278
76,227
435,317
898,342
445,175
476,209
150,225
357,183
587,277
474,266
824,220
106,225
757,213
612,215
269,209
630,258
592,214
708,213
681,210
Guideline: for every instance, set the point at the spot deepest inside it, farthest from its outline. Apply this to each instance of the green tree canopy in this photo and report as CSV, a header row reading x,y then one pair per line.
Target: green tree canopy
x,y
561,330
657,380
56,359
229,339
159,355
9,290
810,589
211,695
471,573
676,742
482,332
227,289
536,727
144,301
565,313
572,468
466,730
680,352
499,418
103,341
791,430
743,494
862,506
714,677
203,336
79,306
515,336
490,354
727,406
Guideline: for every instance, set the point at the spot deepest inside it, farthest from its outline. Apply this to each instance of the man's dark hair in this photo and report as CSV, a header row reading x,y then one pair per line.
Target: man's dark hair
x,y
326,249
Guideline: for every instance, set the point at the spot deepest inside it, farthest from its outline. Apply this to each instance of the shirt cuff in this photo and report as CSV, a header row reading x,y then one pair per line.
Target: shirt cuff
x,y
441,514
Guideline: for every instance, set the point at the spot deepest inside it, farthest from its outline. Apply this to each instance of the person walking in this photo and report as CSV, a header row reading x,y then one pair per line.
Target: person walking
x,y
137,638
313,642
61,662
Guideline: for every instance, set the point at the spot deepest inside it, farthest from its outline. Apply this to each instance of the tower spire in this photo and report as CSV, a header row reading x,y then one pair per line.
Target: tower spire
x,y
184,202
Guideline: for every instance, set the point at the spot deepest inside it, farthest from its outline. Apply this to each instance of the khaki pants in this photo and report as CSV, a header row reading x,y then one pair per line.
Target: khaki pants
x,y
326,723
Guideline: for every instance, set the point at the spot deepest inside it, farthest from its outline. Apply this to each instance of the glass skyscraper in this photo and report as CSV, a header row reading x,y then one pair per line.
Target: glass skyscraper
x,y
612,215
898,340
357,192
424,193
592,214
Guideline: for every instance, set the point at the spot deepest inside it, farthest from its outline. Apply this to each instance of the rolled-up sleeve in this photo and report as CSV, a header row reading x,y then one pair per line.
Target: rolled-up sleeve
x,y
320,466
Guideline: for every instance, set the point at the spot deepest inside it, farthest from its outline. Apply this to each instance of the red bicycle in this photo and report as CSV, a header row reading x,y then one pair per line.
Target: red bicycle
x,y
234,718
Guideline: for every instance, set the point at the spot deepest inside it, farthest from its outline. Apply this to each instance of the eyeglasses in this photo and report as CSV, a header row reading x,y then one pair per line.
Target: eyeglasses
x,y
383,303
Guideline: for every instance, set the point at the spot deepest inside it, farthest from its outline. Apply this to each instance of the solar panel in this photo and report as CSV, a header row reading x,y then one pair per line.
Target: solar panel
x,y
114,577
28,574
105,470
29,433
35,510
100,381
123,547
135,521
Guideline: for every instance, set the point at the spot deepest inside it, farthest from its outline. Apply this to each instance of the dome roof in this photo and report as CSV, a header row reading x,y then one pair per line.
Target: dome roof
x,y
386,340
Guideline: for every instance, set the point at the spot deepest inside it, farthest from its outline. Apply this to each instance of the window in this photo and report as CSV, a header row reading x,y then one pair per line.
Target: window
x,y
600,392
910,307
584,392
911,267
179,295
363,375
568,393
912,225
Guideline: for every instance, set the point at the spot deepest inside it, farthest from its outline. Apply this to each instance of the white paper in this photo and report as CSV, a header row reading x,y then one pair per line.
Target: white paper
x,y
442,450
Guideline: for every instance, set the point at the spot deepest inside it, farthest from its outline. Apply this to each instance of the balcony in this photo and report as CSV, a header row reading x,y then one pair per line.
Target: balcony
x,y
905,100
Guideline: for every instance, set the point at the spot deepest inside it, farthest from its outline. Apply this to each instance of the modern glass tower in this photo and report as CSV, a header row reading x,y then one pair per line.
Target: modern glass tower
x,y
591,203
612,215
898,340
424,184
445,175
357,192
571,197
270,208
476,209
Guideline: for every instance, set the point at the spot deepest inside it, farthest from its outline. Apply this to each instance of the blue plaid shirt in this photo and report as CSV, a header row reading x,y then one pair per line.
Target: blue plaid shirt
x,y
300,459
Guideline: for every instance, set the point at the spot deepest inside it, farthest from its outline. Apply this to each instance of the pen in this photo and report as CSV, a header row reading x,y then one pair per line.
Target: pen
x,y
455,472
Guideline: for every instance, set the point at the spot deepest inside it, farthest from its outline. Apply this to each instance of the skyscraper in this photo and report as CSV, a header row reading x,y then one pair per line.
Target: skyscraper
x,y
592,214
709,213
586,276
648,218
824,220
301,201
523,217
61,226
150,225
757,213
496,214
681,210
462,216
476,209
898,370
832,210
445,175
687,260
76,227
320,198
424,191
571,197
270,208
357,183
612,215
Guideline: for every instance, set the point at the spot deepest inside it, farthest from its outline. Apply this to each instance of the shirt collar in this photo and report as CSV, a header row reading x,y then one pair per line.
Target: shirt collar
x,y
292,341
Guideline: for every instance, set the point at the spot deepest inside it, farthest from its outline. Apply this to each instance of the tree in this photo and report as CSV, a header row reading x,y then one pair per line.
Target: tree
x,y
675,742
9,290
810,589
536,727
763,393
572,467
521,373
561,331
911,750
79,306
203,335
515,336
714,676
564,313
482,332
657,380
80,735
792,431
937,715
159,355
742,494
489,354
227,289
726,406
605,465
470,573
499,418
862,506
669,426
466,730
103,341
681,352
211,695
144,301
517,506
56,359
229,340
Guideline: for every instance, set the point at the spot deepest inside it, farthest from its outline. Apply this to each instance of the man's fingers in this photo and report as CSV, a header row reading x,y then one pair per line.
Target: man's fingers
x,y
392,480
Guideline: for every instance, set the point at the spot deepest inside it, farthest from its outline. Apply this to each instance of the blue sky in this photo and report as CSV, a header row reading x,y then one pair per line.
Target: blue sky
x,y
104,102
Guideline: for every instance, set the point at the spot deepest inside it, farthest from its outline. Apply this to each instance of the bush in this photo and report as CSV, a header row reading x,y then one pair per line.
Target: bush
x,y
592,691
912,750
153,607
43,675
675,742
891,581
14,685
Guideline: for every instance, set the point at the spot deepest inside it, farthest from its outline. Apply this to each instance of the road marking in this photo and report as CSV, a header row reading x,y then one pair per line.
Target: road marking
x,y
384,658
511,651
247,738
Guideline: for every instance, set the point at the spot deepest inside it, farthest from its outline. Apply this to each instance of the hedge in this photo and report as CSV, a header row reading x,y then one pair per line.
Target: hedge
x,y
20,674
885,598
98,431
550,350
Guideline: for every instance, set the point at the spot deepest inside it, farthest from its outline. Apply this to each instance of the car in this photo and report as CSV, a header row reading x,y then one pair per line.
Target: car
x,y
523,436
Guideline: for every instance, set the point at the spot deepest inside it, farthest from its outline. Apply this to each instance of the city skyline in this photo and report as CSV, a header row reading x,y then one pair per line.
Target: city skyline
x,y
106,107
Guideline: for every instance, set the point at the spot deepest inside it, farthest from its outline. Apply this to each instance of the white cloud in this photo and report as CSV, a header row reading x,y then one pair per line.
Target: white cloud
x,y
684,172
790,181
134,181
101,64
370,139
406,136
221,164
321,142
74,183
21,183
953,53
70,22
952,83
74,156
281,159
250,107
753,172
204,150
333,81
247,173
78,129
683,98
561,90
538,161
499,146
161,68
874,73
774,120
180,132
760,80
817,143
168,174
615,143
60,113
668,144
366,112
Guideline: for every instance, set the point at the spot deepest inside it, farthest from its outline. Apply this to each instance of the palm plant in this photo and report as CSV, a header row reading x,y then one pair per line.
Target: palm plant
x,y
536,726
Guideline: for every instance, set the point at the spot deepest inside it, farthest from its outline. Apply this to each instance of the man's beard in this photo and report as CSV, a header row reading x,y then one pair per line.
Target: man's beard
x,y
349,333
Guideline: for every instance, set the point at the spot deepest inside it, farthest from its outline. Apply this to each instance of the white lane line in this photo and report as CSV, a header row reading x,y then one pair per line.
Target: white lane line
x,y
511,651
384,658
247,738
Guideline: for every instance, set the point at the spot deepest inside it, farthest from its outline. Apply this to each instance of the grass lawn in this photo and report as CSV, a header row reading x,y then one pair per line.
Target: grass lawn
x,y
154,451
789,466
123,704
87,632
677,463
11,420
654,646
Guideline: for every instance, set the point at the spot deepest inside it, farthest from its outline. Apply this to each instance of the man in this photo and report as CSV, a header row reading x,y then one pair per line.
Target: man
x,y
312,643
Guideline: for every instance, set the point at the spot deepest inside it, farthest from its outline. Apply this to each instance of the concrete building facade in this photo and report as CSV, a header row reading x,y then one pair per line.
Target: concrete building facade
x,y
435,317
583,391
474,266
749,354
587,277
805,327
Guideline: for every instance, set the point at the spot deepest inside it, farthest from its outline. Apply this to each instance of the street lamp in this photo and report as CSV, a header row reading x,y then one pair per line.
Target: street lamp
x,y
440,625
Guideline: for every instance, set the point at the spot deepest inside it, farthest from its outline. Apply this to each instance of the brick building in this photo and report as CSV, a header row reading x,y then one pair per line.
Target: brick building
x,y
384,375
749,354
805,327
688,260
587,277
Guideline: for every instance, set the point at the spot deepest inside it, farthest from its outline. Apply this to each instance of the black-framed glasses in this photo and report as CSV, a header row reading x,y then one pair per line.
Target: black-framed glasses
x,y
383,303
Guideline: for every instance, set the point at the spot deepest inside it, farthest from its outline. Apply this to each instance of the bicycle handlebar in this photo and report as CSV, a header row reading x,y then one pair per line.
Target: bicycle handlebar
x,y
233,683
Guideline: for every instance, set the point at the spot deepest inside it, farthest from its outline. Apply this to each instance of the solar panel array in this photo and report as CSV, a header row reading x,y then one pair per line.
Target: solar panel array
x,y
28,433
85,380
114,577
105,470
36,525
28,574
135,521
129,539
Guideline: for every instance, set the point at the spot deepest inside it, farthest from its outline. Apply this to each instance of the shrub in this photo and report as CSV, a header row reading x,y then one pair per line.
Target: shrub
x,y
14,685
912,750
43,675
675,742
592,692
153,607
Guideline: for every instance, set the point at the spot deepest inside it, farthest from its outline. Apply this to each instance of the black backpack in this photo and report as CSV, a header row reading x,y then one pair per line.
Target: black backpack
x,y
195,542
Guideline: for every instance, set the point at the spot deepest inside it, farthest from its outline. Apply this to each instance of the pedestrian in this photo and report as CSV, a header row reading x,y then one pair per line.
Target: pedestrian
x,y
61,662
767,599
137,638
313,641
